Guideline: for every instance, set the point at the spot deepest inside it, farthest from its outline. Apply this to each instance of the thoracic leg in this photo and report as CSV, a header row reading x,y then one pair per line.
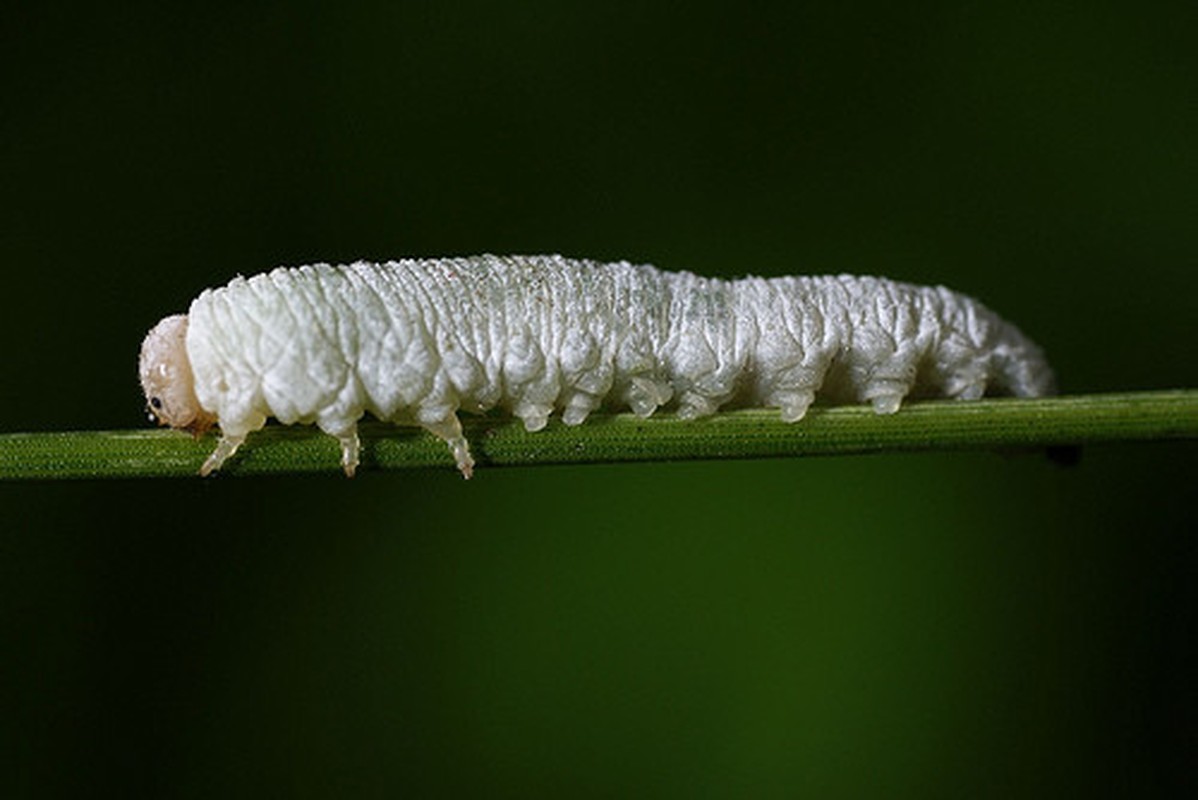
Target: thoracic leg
x,y
350,449
226,447
346,436
450,430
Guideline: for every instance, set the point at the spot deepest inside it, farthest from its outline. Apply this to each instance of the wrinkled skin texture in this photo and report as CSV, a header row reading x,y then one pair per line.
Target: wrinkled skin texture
x,y
417,340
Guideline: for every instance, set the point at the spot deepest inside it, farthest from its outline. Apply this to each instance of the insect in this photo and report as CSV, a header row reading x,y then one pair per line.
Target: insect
x,y
417,340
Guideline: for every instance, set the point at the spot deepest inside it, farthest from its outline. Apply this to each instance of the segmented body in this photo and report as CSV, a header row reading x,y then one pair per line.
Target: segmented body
x,y
417,340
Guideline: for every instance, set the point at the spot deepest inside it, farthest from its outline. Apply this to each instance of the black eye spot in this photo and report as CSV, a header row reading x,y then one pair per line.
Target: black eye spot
x,y
155,402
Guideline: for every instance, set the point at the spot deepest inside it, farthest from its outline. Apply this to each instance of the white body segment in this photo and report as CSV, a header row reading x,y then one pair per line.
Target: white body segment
x,y
416,340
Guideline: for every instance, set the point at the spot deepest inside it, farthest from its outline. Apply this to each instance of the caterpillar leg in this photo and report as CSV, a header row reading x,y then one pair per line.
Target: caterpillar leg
x,y
967,382
968,390
645,394
535,403
534,415
885,396
707,394
350,450
449,429
792,403
893,380
693,405
579,407
964,373
225,448
346,436
791,384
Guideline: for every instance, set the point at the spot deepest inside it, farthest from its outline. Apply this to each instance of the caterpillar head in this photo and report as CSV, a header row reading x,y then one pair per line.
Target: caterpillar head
x,y
167,380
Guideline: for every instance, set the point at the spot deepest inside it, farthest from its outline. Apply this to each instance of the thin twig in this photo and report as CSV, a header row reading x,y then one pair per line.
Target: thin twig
x,y
936,425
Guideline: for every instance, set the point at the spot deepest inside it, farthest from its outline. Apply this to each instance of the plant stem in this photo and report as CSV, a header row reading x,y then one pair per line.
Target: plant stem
x,y
757,433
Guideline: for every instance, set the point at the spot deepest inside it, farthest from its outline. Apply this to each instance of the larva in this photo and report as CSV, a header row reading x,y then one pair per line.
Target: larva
x,y
415,341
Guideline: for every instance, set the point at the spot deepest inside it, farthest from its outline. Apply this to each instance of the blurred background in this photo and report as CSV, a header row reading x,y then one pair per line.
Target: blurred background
x,y
915,625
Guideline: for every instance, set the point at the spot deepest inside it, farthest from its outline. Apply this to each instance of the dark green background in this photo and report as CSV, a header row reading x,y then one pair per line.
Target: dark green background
x,y
933,625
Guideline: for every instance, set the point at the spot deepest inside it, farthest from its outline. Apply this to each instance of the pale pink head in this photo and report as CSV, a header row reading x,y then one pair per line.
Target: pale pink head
x,y
167,380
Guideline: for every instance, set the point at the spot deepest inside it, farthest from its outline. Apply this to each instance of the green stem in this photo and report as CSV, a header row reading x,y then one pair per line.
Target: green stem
x,y
936,425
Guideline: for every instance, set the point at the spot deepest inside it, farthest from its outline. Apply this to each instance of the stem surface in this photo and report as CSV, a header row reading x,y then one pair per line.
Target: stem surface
x,y
757,433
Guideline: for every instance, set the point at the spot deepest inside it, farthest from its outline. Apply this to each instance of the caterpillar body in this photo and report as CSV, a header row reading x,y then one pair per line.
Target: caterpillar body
x,y
417,340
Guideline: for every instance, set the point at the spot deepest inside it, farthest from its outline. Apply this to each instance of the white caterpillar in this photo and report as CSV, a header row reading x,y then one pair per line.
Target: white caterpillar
x,y
414,341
